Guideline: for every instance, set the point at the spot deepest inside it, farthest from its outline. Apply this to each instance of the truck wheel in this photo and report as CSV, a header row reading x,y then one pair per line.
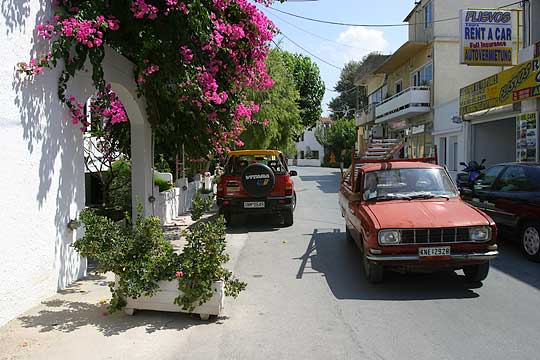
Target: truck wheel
x,y
348,235
372,271
530,241
288,218
476,272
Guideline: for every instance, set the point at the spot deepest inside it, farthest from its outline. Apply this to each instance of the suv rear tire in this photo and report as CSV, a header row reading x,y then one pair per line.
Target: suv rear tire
x,y
288,218
476,272
530,241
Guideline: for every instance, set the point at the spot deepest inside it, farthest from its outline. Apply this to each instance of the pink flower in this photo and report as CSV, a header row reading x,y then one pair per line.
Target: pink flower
x,y
179,274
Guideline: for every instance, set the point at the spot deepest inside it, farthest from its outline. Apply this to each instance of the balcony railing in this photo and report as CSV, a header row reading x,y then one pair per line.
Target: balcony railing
x,y
410,102
365,115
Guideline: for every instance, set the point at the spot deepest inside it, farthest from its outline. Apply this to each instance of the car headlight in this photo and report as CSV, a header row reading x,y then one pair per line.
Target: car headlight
x,y
480,233
389,237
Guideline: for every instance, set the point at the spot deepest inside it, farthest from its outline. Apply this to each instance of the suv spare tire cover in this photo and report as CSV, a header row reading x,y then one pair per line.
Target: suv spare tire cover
x,y
258,180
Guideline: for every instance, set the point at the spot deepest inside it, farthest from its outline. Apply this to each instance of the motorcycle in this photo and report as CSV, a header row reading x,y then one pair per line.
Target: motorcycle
x,y
469,174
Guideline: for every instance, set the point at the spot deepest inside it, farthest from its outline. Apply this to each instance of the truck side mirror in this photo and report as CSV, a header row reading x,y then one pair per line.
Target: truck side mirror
x,y
462,163
293,173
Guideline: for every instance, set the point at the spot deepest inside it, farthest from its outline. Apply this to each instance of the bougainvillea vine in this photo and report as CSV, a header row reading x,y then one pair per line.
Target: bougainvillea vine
x,y
193,61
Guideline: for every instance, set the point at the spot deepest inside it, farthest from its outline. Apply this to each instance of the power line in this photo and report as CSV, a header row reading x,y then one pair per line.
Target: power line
x,y
309,52
318,36
377,25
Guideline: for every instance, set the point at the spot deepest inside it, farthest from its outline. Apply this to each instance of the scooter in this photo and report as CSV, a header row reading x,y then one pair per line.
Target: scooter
x,y
469,174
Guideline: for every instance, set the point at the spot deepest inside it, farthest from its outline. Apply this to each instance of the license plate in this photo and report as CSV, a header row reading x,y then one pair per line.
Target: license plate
x,y
254,205
434,251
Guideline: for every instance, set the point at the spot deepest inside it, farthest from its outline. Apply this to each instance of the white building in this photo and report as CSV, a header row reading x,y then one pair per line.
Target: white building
x,y
42,180
309,152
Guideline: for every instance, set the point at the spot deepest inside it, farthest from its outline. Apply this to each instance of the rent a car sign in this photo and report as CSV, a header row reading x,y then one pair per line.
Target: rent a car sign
x,y
486,37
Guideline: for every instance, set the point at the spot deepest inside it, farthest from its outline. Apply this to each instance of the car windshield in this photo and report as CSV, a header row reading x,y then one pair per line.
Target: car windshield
x,y
236,164
407,184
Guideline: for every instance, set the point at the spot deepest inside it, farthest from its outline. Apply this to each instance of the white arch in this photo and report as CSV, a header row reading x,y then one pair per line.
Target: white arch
x,y
119,72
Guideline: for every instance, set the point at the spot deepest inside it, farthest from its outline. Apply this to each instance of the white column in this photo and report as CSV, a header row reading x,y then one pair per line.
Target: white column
x,y
141,167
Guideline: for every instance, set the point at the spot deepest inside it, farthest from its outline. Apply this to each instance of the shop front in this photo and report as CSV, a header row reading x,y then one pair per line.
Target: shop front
x,y
502,111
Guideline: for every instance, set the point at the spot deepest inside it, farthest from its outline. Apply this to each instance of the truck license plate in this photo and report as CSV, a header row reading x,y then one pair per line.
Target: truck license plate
x,y
434,251
254,205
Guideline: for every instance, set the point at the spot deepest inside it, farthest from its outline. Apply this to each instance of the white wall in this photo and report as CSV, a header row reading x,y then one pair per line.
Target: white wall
x,y
42,177
311,142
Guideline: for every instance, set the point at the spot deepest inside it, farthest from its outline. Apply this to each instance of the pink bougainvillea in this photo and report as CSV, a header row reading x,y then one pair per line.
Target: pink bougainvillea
x,y
213,51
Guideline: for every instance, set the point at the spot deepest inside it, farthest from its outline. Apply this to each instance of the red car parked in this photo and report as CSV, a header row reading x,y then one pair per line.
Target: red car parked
x,y
257,182
407,215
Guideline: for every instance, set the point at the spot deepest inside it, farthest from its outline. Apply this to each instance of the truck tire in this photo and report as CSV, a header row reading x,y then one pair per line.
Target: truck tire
x,y
258,180
373,272
476,272
530,241
348,235
288,218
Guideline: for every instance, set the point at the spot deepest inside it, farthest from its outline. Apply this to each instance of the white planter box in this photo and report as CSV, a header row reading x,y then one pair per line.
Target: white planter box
x,y
163,300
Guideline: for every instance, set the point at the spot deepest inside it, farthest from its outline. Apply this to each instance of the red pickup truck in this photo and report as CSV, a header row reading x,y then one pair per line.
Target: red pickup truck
x,y
408,215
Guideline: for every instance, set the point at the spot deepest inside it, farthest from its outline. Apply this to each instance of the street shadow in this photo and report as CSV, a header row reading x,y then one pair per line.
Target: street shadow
x,y
513,262
326,183
328,253
64,315
255,223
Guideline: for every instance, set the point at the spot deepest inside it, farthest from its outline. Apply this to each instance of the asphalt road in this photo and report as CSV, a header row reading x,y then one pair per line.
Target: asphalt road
x,y
307,297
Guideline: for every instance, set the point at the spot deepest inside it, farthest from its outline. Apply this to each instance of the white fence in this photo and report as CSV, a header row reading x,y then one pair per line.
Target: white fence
x,y
171,203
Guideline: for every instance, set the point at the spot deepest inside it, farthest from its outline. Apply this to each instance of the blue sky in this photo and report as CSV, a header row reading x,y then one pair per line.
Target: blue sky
x,y
348,43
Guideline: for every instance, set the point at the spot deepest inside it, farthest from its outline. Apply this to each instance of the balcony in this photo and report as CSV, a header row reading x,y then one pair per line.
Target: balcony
x,y
406,104
365,115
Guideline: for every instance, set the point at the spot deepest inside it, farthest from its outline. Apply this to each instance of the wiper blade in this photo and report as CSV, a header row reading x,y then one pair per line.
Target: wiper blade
x,y
391,197
428,196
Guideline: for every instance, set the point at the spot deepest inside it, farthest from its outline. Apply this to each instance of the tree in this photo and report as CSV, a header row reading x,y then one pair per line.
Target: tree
x,y
278,120
309,85
344,105
339,138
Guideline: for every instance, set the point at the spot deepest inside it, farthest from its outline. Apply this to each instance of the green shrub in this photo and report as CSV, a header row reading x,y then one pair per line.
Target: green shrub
x,y
200,205
163,184
141,257
202,263
120,189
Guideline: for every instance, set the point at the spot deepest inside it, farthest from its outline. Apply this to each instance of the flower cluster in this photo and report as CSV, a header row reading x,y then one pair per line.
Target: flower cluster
x,y
205,69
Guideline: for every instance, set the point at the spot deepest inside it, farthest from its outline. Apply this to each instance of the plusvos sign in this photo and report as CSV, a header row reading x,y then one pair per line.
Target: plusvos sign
x,y
486,37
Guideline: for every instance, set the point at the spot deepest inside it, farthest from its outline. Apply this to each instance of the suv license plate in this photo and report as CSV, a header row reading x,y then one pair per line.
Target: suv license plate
x,y
254,205
434,251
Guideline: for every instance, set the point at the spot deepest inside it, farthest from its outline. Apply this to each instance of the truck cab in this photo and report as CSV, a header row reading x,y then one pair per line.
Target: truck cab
x,y
406,214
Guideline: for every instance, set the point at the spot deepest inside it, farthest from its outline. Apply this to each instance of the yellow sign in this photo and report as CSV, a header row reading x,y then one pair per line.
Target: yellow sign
x,y
515,84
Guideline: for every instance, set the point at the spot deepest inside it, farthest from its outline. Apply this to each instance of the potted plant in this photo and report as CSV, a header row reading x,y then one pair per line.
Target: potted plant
x,y
150,275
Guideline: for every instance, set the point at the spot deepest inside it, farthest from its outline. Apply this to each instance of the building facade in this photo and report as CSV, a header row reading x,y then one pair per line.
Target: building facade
x,y
419,96
505,130
309,152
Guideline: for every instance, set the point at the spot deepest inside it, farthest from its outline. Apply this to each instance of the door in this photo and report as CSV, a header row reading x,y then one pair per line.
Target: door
x,y
482,195
511,193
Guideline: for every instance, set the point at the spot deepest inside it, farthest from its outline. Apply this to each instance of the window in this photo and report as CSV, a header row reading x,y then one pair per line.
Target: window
x,y
442,151
314,154
302,138
376,96
423,76
514,179
399,86
428,15
301,154
407,184
487,179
